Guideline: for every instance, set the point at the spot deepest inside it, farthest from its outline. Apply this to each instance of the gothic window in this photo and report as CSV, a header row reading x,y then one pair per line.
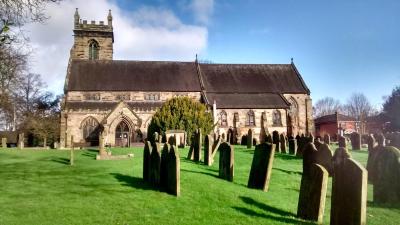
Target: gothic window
x,y
223,119
152,96
293,111
250,119
93,50
92,96
91,130
276,118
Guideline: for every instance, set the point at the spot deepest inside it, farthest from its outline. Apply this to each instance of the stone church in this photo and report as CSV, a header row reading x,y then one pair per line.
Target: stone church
x,y
117,98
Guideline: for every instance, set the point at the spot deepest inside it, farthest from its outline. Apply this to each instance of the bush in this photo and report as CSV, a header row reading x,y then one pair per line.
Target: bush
x,y
181,113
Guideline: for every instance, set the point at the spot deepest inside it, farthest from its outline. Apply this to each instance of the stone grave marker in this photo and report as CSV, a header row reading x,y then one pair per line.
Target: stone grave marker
x,y
387,176
276,141
381,140
324,157
146,160
250,138
355,141
155,161
21,141
261,166
197,146
342,141
226,161
292,145
282,140
164,167
349,190
174,171
208,150
4,142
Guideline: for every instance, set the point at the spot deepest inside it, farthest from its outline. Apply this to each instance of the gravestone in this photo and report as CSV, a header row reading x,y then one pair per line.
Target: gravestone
x,y
372,150
208,150
381,140
317,142
342,141
324,158
226,161
197,146
303,141
231,137
21,141
56,145
190,155
102,150
173,171
275,140
250,138
282,140
327,139
155,161
387,176
309,157
371,142
164,167
4,142
215,148
261,167
172,140
146,160
292,145
355,141
312,194
349,190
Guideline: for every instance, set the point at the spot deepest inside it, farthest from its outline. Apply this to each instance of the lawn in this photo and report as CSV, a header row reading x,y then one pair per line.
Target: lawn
x,y
39,187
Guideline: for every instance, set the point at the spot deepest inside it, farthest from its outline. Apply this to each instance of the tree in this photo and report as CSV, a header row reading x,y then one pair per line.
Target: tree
x,y
391,109
180,113
326,106
358,106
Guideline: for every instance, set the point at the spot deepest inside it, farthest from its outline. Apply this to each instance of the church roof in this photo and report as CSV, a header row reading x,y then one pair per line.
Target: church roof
x,y
117,75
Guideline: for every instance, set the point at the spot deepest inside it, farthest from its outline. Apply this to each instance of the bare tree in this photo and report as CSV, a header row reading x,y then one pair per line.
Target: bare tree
x,y
358,106
326,106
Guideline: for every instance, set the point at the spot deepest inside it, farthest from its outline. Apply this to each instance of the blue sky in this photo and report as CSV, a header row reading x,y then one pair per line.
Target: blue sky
x,y
339,47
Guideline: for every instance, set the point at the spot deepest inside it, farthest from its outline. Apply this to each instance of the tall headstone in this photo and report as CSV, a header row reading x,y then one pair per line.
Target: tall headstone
x,y
208,150
250,138
190,155
276,141
155,161
4,142
342,141
173,168
355,141
301,144
387,176
282,140
349,190
324,157
164,167
312,194
372,150
197,146
226,161
102,150
261,166
21,141
146,160
327,139
292,145
371,142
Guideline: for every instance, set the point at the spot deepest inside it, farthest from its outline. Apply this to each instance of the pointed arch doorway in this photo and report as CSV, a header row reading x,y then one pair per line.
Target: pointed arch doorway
x,y
123,135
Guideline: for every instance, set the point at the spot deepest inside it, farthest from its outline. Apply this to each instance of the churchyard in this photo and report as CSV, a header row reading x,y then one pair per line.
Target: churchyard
x,y
41,187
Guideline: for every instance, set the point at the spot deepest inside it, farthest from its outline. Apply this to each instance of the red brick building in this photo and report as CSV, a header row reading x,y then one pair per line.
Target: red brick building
x,y
335,124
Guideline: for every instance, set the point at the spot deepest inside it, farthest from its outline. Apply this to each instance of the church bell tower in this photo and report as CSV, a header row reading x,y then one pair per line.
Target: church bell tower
x,y
92,41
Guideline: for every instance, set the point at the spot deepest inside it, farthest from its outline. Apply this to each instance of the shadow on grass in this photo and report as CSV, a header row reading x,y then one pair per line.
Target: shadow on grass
x,y
130,181
205,173
265,207
61,160
286,156
90,154
250,212
288,171
383,205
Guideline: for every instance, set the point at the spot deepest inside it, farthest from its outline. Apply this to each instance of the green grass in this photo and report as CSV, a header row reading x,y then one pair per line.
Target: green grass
x,y
39,187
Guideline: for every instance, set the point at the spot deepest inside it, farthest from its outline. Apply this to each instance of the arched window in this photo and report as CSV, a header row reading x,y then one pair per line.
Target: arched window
x,y
223,119
294,109
91,130
250,119
276,118
93,50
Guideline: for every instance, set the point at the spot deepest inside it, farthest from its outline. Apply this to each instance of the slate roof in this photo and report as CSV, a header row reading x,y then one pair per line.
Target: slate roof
x,y
248,100
332,119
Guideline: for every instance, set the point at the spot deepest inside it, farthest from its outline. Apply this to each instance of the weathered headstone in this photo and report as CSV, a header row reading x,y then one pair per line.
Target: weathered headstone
x,y
282,140
4,142
155,161
292,145
349,190
261,166
226,161
197,146
324,157
371,143
190,155
21,141
355,141
173,168
312,194
146,160
250,138
309,157
276,141
164,167
303,141
381,140
327,139
208,150
342,141
317,142
387,176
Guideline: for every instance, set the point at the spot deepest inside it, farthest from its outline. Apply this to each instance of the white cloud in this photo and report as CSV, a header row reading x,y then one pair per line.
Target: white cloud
x,y
202,10
147,33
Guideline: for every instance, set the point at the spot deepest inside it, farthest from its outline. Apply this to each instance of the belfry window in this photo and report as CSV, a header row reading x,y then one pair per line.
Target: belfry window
x,y
93,50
